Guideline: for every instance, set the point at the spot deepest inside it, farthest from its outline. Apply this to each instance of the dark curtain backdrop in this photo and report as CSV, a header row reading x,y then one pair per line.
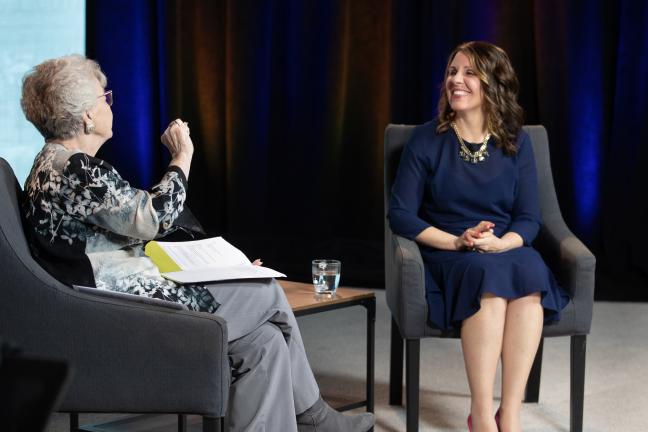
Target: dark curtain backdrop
x,y
287,102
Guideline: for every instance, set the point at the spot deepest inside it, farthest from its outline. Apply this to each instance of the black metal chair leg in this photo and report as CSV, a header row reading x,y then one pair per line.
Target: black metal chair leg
x,y
182,423
413,357
74,422
532,393
212,424
577,386
396,366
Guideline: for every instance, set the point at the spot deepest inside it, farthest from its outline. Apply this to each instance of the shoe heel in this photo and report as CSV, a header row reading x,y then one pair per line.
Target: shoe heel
x,y
469,423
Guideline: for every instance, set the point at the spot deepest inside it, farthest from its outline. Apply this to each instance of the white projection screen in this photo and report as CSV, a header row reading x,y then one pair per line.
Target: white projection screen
x,y
31,31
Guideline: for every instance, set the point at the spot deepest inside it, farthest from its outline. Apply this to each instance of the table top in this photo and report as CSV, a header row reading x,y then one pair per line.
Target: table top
x,y
301,296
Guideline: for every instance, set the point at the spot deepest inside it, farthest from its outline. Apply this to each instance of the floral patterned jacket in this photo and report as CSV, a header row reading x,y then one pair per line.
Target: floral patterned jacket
x,y
87,226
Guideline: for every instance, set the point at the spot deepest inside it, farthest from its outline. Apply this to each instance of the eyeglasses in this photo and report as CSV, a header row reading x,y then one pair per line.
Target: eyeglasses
x,y
109,97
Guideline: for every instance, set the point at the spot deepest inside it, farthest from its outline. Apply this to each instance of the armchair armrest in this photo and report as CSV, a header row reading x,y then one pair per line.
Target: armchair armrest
x,y
129,297
406,287
573,264
139,356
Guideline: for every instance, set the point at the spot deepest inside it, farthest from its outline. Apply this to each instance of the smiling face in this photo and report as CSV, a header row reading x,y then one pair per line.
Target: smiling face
x,y
463,86
480,84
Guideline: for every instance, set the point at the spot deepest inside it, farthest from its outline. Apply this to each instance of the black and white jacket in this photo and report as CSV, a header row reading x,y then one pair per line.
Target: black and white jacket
x,y
87,226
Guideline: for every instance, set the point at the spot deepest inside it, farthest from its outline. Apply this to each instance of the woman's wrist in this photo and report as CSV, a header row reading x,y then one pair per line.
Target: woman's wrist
x,y
438,239
456,244
183,161
183,154
511,240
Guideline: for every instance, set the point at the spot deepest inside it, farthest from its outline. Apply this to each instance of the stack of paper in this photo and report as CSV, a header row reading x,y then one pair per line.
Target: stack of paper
x,y
212,259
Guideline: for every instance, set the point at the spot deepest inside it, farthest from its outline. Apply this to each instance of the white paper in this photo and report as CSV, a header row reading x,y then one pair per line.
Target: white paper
x,y
212,259
213,252
224,273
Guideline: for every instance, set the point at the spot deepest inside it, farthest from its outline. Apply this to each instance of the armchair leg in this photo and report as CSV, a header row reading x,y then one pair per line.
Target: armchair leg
x,y
212,424
413,354
74,422
532,393
577,385
396,366
182,423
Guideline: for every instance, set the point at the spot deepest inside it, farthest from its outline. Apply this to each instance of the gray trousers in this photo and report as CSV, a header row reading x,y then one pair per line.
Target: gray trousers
x,y
271,378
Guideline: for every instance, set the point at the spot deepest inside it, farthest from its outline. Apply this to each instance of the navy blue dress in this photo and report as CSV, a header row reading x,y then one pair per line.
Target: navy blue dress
x,y
435,187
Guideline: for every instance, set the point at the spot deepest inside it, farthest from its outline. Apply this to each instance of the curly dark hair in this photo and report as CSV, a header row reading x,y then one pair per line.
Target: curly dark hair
x,y
504,116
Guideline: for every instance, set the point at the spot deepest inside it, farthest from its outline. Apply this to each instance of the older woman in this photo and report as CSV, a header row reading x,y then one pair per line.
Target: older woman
x,y
86,226
466,191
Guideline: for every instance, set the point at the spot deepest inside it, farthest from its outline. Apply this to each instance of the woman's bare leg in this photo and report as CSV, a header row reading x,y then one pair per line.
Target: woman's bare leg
x,y
481,341
522,332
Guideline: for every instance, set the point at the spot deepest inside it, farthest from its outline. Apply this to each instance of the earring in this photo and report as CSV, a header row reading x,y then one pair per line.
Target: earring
x,y
89,127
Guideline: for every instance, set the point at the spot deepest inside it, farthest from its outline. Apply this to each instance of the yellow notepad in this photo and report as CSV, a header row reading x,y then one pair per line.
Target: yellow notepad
x,y
160,258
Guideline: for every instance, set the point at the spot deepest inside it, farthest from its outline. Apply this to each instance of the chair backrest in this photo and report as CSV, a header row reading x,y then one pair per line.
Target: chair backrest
x,y
549,207
22,280
13,238
396,136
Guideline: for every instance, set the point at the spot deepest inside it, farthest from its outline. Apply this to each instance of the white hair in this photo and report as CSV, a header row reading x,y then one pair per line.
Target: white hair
x,y
57,92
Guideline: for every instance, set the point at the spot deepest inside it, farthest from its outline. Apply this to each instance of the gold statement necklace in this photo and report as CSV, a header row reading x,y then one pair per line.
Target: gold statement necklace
x,y
464,151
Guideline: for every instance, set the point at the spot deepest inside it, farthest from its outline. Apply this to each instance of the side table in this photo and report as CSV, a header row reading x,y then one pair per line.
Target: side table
x,y
304,301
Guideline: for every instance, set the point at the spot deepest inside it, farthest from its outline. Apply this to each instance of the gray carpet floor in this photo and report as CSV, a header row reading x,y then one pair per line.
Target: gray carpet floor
x,y
616,389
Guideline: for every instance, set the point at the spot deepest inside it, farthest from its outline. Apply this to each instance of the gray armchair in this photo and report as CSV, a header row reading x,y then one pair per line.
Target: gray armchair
x,y
128,354
572,263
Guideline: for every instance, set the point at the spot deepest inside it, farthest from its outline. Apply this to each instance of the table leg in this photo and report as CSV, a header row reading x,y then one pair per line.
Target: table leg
x,y
370,304
371,354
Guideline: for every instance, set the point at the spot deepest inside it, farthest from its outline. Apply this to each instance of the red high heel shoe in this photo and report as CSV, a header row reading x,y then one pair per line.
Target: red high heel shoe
x,y
497,419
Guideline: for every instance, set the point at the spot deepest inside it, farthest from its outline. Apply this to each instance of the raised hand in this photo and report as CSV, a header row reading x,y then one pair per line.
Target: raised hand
x,y
176,138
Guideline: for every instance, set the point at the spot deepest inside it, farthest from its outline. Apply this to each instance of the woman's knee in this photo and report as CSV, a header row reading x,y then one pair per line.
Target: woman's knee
x,y
275,339
267,342
493,303
530,299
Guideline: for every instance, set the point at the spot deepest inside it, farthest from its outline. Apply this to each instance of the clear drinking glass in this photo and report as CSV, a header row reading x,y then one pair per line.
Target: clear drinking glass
x,y
326,275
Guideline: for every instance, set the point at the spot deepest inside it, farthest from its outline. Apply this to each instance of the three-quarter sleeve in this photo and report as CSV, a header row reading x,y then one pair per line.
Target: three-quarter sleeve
x,y
525,219
407,191
96,194
168,197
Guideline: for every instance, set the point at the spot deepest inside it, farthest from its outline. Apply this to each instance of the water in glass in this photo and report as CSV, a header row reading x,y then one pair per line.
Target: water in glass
x,y
326,276
326,281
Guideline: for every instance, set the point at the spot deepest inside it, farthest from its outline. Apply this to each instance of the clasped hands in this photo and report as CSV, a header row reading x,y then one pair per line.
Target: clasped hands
x,y
481,238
